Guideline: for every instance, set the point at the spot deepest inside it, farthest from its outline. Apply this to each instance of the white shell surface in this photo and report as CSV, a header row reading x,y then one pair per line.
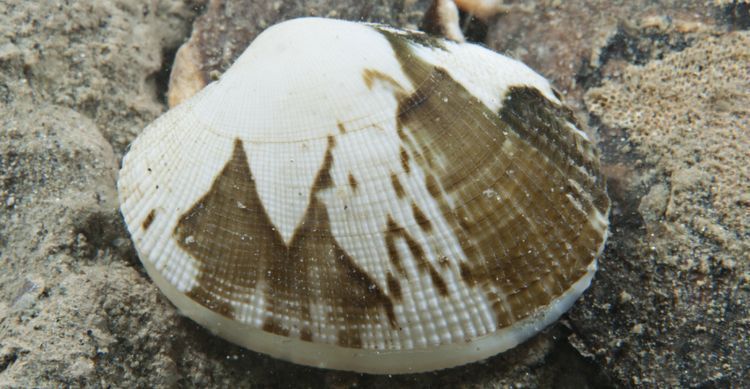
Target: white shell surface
x,y
362,198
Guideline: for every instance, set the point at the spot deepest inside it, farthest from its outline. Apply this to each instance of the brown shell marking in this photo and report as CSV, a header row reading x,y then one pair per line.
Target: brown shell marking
x,y
525,244
238,248
504,246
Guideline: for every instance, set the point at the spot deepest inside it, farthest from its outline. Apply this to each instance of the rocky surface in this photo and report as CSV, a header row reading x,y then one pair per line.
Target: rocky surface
x,y
665,87
683,290
570,42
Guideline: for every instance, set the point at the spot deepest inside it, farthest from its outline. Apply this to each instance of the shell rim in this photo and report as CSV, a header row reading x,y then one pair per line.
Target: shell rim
x,y
331,356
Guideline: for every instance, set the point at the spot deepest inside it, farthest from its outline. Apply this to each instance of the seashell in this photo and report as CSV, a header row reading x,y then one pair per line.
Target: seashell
x,y
358,197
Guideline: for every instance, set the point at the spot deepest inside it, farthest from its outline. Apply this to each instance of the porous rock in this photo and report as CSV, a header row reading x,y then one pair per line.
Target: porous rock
x,y
681,250
76,308
101,58
570,41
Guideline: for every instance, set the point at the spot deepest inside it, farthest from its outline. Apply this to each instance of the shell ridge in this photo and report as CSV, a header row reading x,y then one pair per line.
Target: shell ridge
x,y
283,270
285,177
415,205
519,308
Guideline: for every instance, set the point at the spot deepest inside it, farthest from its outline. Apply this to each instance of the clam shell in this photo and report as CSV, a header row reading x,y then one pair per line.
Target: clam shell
x,y
362,198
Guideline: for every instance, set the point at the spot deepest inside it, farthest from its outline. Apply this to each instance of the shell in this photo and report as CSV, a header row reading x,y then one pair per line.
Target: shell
x,y
357,197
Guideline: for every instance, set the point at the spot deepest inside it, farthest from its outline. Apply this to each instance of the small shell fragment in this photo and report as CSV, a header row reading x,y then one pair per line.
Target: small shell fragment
x,y
358,197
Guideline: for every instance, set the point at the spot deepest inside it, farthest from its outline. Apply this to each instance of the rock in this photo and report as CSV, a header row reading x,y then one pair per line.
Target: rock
x,y
102,58
687,257
79,80
570,41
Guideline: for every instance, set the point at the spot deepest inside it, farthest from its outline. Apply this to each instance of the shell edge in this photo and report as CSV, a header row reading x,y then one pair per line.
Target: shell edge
x,y
330,356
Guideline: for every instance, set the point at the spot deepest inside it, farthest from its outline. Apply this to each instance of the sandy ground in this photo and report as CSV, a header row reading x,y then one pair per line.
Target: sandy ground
x,y
665,87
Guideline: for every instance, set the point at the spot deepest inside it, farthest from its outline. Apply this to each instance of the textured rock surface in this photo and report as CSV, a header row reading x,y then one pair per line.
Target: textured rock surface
x,y
683,287
101,58
78,81
570,41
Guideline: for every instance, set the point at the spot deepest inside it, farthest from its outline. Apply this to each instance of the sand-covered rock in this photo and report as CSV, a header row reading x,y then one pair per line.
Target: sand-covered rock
x,y
681,270
667,86
570,41
101,58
